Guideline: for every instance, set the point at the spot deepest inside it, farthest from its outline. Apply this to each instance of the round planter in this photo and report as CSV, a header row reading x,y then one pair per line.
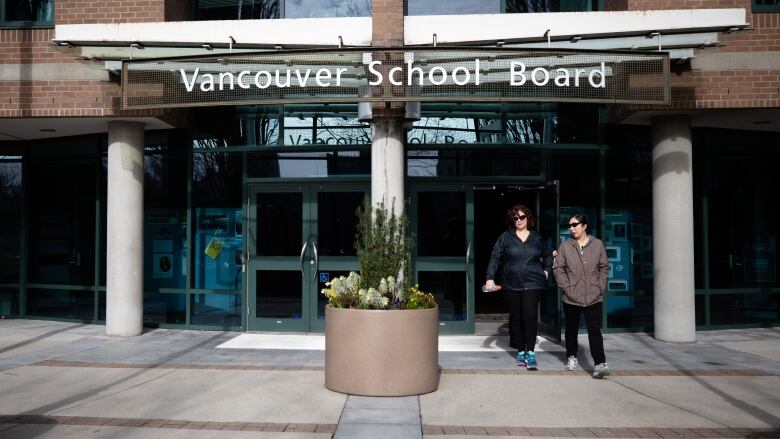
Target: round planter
x,y
382,352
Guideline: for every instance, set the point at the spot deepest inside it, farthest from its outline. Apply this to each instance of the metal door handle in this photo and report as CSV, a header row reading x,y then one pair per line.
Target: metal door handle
x,y
316,257
468,255
300,260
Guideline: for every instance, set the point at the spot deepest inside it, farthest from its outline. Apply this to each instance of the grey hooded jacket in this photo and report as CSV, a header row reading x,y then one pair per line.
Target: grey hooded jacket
x,y
581,272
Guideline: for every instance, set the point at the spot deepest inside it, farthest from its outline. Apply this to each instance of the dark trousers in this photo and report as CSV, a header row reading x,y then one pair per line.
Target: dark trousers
x,y
593,323
523,315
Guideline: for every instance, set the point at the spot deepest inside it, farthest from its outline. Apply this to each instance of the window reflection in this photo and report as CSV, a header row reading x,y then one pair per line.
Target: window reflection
x,y
446,130
218,221
529,6
326,8
525,130
236,9
525,6
10,213
302,130
309,164
39,11
453,7
481,163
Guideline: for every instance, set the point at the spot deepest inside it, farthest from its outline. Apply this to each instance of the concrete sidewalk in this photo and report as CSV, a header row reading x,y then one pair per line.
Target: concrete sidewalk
x,y
62,380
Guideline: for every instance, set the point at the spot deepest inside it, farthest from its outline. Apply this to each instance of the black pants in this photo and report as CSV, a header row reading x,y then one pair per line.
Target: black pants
x,y
593,323
523,315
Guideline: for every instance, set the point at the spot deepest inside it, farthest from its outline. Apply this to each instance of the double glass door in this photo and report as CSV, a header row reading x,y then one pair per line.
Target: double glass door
x,y
299,237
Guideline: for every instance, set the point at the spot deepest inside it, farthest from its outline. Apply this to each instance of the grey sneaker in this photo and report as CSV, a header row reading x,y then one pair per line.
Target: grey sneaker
x,y
572,363
601,370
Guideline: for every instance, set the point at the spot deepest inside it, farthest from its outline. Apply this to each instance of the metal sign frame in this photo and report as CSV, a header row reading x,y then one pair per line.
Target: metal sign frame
x,y
410,74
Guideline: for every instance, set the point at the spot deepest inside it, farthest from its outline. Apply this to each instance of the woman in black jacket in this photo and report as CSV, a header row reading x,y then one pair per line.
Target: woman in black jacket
x,y
525,262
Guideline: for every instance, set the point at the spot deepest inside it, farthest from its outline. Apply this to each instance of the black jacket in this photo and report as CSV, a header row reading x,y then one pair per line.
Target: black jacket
x,y
522,263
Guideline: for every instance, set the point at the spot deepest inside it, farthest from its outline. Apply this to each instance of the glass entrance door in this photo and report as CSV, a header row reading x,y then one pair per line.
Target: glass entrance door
x,y
491,202
443,224
299,237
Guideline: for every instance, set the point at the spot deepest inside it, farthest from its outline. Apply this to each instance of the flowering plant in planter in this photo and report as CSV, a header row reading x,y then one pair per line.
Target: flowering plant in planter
x,y
384,253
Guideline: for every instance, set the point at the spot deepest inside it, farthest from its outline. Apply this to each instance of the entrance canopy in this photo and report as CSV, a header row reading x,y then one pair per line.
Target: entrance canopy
x,y
449,74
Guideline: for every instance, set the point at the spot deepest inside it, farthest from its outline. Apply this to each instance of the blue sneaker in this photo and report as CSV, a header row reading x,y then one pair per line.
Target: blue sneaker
x,y
530,360
521,358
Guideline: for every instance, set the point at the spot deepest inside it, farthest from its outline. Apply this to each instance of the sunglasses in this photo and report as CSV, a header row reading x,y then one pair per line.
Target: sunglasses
x,y
518,217
572,225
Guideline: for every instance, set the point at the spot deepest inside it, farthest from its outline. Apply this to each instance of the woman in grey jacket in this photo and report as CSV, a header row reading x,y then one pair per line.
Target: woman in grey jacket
x,y
525,262
581,270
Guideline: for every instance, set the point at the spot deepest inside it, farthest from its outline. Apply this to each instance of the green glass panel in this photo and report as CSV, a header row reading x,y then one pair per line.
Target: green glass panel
x,y
10,215
9,302
216,309
449,289
164,308
279,294
61,303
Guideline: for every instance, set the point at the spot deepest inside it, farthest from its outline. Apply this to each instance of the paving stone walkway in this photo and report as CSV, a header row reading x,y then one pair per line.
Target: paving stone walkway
x,y
63,380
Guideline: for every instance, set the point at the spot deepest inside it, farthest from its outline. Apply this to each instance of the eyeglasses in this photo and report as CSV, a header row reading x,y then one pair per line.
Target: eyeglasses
x,y
573,225
518,217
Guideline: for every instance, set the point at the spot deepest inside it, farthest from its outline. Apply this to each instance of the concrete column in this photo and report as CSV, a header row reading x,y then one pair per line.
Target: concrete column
x,y
125,229
675,311
387,163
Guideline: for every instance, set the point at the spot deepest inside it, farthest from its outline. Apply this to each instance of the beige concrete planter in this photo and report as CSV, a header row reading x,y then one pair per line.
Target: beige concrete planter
x,y
382,353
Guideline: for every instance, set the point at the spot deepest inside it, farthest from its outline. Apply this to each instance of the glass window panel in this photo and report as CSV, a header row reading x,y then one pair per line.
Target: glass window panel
x,y
766,5
575,123
449,289
279,294
326,8
9,302
342,131
276,212
700,309
453,7
629,312
165,210
628,218
337,222
526,6
325,130
740,185
524,129
308,164
218,229
168,308
441,224
447,130
473,163
165,171
236,9
222,127
62,219
61,304
10,214
165,249
530,6
216,309
216,179
735,309
219,243
38,11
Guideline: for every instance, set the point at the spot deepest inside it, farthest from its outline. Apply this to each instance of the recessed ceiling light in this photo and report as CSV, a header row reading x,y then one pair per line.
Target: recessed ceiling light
x,y
48,130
